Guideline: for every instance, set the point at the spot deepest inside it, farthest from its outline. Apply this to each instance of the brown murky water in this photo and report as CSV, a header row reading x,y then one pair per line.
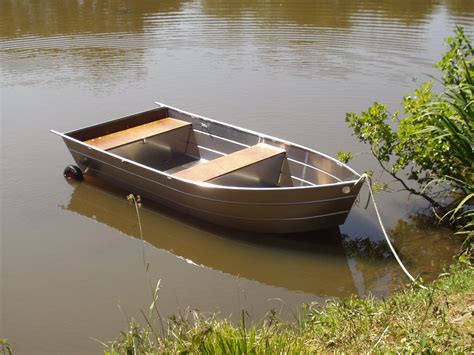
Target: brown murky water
x,y
71,253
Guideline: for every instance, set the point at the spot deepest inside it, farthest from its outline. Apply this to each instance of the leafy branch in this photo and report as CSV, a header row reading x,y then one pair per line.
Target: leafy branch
x,y
431,141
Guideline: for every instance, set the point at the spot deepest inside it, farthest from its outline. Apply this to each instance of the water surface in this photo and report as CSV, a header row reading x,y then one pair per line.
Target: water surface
x,y
71,253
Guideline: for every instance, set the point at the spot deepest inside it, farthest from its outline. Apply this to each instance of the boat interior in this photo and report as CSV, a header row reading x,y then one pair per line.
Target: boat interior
x,y
201,150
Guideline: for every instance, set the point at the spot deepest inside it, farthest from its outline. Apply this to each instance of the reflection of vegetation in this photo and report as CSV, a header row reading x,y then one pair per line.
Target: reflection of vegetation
x,y
100,56
313,12
423,243
425,249
407,11
366,248
51,17
460,7
320,13
435,320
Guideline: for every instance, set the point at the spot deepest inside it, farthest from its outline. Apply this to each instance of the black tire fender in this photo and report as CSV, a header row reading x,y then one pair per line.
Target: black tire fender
x,y
72,172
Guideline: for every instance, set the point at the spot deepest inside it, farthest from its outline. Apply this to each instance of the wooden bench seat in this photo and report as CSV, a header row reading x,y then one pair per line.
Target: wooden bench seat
x,y
134,134
230,163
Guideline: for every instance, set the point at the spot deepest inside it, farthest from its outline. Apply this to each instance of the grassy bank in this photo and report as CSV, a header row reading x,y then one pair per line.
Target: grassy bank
x,y
438,319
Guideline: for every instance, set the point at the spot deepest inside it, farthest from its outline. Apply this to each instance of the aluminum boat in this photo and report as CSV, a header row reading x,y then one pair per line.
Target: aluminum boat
x,y
217,172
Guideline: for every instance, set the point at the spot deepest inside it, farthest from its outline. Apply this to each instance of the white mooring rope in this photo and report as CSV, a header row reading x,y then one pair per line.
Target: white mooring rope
x,y
367,178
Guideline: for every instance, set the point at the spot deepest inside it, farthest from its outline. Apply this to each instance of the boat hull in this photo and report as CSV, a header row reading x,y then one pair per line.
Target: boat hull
x,y
272,210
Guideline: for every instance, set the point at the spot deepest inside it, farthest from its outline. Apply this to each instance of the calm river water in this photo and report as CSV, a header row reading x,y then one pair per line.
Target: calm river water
x,y
70,254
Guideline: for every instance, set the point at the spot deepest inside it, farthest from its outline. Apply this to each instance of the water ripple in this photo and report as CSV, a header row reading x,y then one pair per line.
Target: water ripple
x,y
264,36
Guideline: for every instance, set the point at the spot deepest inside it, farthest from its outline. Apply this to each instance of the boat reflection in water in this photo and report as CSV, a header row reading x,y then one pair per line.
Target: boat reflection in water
x,y
313,262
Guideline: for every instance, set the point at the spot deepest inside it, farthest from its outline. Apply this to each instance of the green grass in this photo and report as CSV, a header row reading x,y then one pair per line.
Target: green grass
x,y
5,347
438,319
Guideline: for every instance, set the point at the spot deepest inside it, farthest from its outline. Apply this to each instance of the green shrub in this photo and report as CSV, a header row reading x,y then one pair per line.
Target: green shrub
x,y
431,143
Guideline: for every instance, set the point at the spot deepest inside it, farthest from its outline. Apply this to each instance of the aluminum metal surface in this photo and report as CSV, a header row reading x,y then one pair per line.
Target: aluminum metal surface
x,y
308,190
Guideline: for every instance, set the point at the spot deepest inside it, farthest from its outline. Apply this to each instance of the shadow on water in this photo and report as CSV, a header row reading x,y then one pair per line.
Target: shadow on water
x,y
314,262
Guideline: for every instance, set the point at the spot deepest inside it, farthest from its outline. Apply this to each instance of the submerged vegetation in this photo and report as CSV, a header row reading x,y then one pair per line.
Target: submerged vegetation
x,y
431,144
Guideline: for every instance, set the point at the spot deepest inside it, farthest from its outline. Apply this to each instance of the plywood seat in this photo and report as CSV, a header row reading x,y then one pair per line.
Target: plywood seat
x,y
230,163
134,134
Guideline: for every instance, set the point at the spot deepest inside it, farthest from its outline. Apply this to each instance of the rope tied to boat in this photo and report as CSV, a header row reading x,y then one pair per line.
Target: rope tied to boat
x,y
368,179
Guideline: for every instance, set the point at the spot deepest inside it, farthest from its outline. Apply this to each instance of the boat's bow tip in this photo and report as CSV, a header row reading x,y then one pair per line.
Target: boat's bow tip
x,y
55,132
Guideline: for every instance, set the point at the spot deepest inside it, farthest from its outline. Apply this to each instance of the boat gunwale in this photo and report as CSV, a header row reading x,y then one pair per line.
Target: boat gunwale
x,y
259,203
67,136
283,141
262,135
